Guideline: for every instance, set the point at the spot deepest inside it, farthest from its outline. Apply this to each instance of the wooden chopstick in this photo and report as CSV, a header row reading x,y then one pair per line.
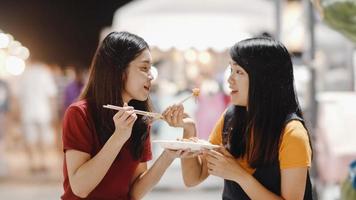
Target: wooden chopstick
x,y
195,93
139,112
185,99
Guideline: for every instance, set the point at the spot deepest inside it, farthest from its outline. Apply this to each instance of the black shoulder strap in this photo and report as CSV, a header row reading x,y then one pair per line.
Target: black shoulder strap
x,y
293,116
228,118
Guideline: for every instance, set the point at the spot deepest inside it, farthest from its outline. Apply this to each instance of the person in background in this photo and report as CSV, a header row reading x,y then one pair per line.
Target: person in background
x,y
74,88
4,111
37,97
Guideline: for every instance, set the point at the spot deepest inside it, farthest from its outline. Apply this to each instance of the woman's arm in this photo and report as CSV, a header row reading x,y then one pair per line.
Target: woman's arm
x,y
144,180
292,185
293,182
81,167
224,165
194,168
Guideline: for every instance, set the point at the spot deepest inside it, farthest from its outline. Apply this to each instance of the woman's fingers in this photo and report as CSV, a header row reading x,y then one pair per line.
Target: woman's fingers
x,y
178,153
195,154
183,153
167,115
186,154
214,154
118,115
174,114
125,117
194,139
224,151
166,111
131,119
211,166
180,115
122,111
127,114
177,114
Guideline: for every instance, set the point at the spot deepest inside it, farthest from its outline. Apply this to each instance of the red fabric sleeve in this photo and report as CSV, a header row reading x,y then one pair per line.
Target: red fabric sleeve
x,y
77,134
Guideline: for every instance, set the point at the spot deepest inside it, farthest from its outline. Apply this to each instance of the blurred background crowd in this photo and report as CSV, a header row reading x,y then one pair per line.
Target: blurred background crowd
x,y
45,52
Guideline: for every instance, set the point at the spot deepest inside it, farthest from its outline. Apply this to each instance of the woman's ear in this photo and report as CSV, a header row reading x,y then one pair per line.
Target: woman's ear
x,y
124,77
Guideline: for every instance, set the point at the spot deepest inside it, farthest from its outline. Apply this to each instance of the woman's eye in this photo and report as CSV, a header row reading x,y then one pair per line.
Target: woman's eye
x,y
145,69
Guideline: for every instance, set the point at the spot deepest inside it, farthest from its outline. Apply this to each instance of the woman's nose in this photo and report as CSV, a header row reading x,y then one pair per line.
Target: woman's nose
x,y
230,79
153,73
150,76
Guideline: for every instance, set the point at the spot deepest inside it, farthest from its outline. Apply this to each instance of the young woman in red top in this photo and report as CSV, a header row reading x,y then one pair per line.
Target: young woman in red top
x,y
106,151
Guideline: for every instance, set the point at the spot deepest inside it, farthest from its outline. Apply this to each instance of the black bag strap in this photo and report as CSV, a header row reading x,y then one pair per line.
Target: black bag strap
x,y
293,116
229,117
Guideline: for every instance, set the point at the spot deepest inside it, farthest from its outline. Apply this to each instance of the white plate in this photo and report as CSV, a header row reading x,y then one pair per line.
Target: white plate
x,y
177,145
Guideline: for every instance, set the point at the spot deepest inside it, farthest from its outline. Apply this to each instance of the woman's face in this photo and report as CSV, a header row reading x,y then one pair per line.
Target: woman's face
x,y
138,78
239,84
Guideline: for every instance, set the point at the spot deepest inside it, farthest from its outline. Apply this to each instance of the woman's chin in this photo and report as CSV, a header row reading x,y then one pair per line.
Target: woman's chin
x,y
237,103
142,97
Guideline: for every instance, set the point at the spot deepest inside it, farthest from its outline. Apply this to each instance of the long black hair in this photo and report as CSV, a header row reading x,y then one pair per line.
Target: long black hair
x,y
257,129
106,83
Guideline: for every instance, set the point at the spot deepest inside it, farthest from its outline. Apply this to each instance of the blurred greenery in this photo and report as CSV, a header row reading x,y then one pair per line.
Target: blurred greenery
x,y
341,16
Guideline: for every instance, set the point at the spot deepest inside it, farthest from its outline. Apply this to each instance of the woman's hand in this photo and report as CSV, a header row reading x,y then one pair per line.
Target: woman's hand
x,y
182,153
221,163
124,120
174,115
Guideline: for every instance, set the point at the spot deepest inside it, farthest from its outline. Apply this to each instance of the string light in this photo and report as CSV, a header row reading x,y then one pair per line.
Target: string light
x,y
13,55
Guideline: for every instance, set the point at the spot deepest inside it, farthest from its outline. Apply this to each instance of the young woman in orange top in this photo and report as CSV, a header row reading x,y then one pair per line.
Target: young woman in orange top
x,y
266,150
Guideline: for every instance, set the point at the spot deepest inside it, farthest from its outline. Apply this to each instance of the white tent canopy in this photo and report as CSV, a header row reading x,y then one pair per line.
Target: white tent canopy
x,y
199,24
